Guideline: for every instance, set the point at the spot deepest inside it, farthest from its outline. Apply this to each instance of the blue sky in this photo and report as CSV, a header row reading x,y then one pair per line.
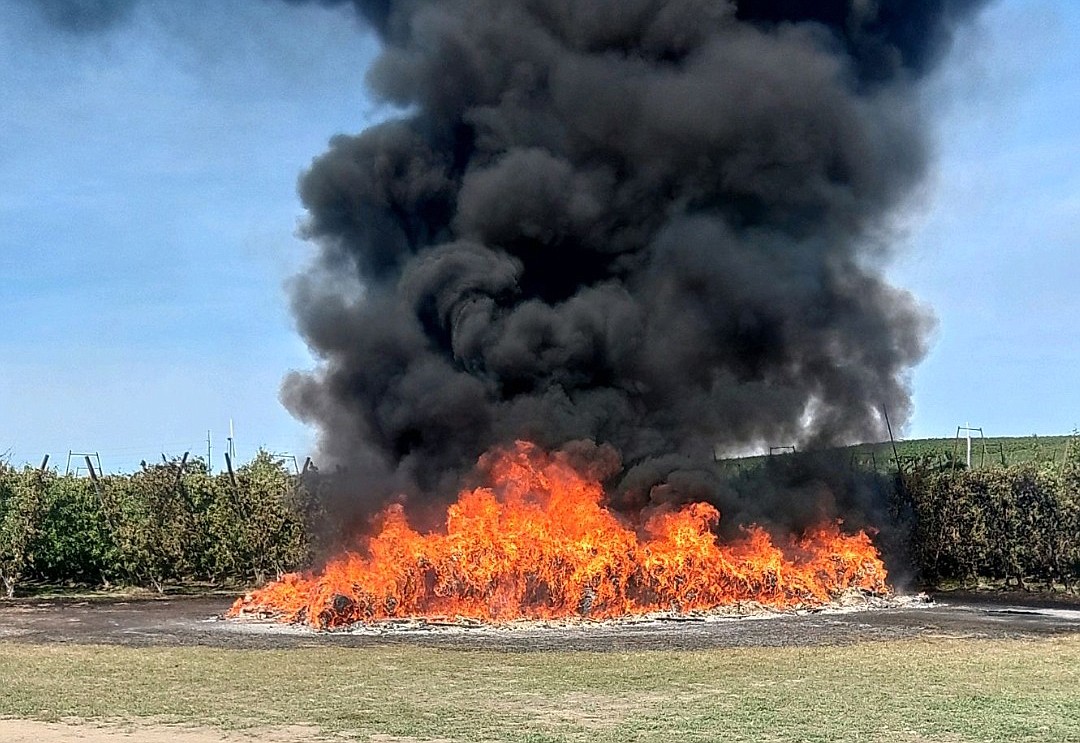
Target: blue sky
x,y
992,247
149,215
148,212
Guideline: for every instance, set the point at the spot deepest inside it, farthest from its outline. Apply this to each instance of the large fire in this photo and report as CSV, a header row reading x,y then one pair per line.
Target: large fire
x,y
539,543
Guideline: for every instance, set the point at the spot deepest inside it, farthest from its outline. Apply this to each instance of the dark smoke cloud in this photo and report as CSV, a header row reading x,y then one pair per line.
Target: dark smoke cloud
x,y
883,37
648,224
651,225
84,16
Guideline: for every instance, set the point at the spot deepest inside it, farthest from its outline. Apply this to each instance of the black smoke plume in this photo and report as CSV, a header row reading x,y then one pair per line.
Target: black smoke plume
x,y
653,225
84,16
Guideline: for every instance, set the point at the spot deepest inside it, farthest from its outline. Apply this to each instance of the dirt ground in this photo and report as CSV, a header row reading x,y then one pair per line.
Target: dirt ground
x,y
187,620
29,731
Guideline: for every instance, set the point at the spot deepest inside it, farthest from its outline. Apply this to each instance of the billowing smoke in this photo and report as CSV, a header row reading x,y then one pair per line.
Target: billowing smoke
x,y
656,225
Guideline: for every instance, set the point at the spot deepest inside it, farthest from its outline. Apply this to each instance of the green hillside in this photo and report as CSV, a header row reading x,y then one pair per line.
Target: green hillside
x,y
997,450
989,452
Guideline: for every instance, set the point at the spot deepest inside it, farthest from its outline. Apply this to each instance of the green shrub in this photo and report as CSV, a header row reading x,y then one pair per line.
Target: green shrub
x,y
21,509
1016,524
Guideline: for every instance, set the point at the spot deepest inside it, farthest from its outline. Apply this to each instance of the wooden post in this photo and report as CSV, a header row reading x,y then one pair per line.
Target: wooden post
x,y
93,474
106,508
229,467
888,425
180,471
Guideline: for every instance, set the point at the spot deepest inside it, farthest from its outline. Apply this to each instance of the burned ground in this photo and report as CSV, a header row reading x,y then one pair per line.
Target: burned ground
x,y
195,621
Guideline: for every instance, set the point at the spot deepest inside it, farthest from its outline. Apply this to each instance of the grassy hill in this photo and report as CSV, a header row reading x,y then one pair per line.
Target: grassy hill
x,y
996,450
988,452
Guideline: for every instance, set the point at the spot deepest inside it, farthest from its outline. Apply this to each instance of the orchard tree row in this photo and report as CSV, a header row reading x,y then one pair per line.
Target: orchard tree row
x,y
176,523
1017,525
165,524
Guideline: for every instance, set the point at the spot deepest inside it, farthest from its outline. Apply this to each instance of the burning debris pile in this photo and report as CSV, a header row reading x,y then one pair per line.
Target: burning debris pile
x,y
653,225
538,543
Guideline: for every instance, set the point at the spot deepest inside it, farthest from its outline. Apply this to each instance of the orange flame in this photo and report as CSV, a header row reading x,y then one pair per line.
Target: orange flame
x,y
540,544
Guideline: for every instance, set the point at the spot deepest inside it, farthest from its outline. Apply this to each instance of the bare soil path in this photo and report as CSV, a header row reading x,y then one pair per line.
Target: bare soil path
x,y
33,731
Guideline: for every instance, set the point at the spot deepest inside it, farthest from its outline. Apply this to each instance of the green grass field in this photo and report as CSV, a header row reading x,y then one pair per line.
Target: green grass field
x,y
945,689
988,452
984,452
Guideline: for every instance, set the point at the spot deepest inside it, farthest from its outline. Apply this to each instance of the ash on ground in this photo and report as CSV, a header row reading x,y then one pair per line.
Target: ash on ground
x,y
850,601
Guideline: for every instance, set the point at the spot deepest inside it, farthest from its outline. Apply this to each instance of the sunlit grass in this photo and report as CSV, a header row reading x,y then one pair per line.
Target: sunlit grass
x,y
943,689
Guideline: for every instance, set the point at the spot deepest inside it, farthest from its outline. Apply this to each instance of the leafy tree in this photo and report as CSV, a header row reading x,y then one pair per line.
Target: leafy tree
x,y
75,543
21,509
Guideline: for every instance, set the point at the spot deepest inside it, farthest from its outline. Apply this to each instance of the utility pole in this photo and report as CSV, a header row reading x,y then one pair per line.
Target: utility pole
x,y
209,453
968,429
